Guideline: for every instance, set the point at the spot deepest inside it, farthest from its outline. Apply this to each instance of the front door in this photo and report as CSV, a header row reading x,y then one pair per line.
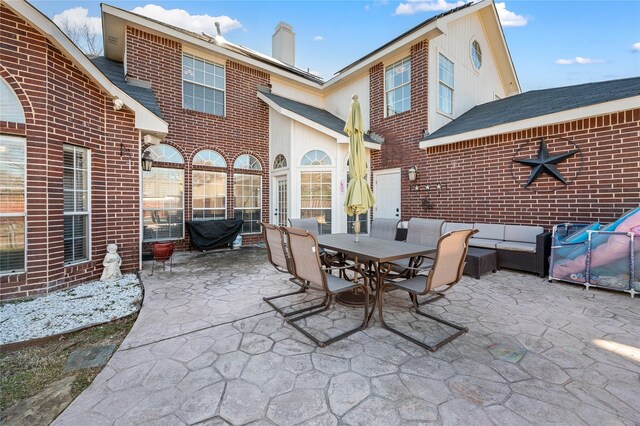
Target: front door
x,y
280,211
386,188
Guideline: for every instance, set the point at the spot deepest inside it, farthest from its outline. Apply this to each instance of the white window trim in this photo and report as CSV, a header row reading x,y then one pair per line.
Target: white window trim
x,y
193,209
24,210
453,104
224,89
257,173
88,213
473,65
384,81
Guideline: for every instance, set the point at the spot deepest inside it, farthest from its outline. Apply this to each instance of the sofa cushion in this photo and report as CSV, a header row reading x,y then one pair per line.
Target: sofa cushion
x,y
455,226
484,242
522,233
517,246
493,231
425,232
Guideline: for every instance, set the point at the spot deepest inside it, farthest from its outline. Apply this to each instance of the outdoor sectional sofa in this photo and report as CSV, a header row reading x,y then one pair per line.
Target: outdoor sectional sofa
x,y
521,247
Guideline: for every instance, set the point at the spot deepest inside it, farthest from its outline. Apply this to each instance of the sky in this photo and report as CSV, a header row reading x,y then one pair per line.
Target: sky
x,y
552,43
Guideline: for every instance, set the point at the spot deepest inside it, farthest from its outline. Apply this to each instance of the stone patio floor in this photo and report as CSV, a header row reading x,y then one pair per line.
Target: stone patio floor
x,y
207,350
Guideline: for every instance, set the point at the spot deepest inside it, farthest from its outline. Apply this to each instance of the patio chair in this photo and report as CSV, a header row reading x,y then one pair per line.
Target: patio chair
x,y
278,256
310,225
420,231
308,267
384,229
445,272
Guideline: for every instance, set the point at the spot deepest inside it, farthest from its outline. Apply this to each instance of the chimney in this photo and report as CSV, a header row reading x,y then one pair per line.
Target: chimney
x,y
284,44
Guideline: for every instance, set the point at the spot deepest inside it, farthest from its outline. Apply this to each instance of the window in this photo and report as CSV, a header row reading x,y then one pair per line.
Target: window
x,y
476,54
10,107
364,217
75,170
248,162
163,196
247,190
445,85
397,86
209,187
202,85
315,158
12,204
315,189
280,162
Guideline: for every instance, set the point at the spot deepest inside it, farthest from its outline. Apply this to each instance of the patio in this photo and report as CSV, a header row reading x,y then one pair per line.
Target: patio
x,y
207,350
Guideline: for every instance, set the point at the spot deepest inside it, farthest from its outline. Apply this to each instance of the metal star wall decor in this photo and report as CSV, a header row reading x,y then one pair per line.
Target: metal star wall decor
x,y
545,163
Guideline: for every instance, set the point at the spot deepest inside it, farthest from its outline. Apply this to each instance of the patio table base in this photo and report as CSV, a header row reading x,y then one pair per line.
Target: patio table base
x,y
353,298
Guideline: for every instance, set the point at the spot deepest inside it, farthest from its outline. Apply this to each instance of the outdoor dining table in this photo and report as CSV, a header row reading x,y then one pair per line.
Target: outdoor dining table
x,y
373,252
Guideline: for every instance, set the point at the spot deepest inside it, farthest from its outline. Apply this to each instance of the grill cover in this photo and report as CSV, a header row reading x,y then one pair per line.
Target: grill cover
x,y
211,234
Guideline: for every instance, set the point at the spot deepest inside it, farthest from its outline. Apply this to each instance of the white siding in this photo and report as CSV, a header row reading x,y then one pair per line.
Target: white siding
x,y
472,87
338,101
298,93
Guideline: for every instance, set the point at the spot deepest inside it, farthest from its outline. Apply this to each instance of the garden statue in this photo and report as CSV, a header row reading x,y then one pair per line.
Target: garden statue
x,y
111,264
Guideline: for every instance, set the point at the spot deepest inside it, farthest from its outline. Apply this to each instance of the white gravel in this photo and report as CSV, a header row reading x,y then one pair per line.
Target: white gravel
x,y
65,310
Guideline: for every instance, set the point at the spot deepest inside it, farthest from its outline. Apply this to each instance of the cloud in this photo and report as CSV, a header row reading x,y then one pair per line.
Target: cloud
x,y
182,19
412,7
77,17
635,47
508,18
318,38
578,60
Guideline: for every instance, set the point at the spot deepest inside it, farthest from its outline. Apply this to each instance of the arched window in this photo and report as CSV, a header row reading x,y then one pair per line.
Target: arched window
x,y
248,162
163,195
165,154
10,107
209,188
209,157
247,192
476,54
315,158
316,190
280,162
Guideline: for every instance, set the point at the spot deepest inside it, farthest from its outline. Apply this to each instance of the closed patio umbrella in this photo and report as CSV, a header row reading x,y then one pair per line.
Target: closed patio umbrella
x,y
359,197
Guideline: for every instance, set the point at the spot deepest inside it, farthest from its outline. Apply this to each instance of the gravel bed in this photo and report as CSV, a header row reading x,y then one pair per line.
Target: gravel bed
x,y
65,310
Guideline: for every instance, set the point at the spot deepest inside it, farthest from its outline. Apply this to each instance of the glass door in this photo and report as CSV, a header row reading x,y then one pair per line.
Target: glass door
x,y
280,211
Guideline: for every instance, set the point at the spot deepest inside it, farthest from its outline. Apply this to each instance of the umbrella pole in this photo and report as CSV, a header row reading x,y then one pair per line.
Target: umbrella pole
x,y
356,227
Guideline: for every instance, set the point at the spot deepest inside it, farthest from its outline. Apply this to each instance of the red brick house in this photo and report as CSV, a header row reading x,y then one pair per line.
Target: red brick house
x,y
236,133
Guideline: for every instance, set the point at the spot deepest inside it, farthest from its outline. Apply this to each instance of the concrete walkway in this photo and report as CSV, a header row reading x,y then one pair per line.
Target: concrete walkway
x,y
207,350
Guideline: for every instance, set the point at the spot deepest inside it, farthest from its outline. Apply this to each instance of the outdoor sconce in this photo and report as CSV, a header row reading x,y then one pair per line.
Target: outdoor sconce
x,y
117,104
146,161
412,173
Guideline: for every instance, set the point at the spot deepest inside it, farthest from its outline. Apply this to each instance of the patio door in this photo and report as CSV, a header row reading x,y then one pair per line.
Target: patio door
x,y
280,210
386,188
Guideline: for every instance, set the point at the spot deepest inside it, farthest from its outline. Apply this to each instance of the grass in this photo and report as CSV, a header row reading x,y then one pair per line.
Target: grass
x,y
27,371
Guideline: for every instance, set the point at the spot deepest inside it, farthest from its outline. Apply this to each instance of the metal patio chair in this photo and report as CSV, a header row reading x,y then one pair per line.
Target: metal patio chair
x,y
420,231
384,229
278,256
308,267
310,225
445,272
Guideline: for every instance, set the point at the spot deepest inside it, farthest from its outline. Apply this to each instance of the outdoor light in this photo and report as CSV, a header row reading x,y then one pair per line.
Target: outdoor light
x,y
412,173
147,161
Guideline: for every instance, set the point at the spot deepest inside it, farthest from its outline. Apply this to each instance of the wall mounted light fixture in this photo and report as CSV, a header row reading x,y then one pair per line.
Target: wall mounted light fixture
x,y
146,162
117,104
412,173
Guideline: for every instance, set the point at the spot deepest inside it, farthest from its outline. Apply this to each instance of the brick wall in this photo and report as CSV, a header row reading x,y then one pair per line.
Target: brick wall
x,y
400,131
63,106
243,130
481,183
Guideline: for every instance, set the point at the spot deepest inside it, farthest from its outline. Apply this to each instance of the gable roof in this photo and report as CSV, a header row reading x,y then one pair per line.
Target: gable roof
x,y
519,110
115,72
145,120
308,114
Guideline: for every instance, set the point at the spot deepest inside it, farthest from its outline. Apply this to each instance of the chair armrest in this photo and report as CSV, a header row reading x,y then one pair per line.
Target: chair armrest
x,y
543,251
